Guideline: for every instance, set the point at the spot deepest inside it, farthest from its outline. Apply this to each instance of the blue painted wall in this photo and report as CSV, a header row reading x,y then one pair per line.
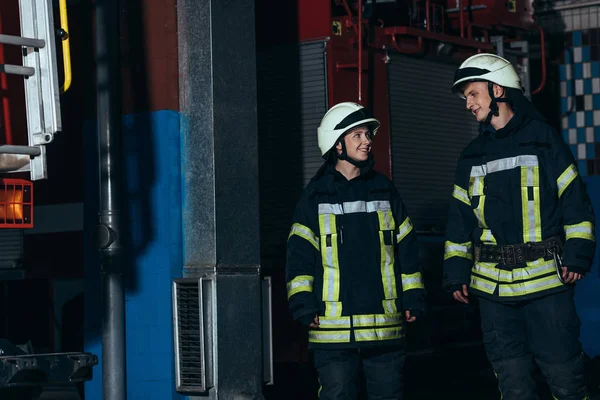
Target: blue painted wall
x,y
152,177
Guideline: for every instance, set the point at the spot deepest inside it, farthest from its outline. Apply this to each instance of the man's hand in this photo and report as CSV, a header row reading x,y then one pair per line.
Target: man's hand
x,y
570,277
315,324
408,317
463,296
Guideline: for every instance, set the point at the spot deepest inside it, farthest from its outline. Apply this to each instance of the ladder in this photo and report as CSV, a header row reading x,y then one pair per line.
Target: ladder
x,y
42,91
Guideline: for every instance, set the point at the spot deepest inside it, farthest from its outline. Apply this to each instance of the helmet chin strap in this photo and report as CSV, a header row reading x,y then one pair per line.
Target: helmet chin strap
x,y
494,111
344,156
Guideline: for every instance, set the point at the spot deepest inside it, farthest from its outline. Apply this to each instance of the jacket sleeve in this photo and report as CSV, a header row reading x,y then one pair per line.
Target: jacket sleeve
x,y
302,251
458,248
413,289
577,213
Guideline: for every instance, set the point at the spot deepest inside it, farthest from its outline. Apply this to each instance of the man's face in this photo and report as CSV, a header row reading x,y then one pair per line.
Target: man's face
x,y
478,99
358,143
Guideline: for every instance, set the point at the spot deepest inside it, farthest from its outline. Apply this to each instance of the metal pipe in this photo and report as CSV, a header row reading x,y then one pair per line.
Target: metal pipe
x,y
22,150
405,51
16,70
349,12
565,7
22,41
462,18
427,16
543,51
109,232
360,43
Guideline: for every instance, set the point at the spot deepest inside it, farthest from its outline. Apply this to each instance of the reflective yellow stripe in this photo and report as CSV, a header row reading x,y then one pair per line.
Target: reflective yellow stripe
x,y
316,336
483,285
583,230
480,212
305,233
404,230
412,281
376,320
476,185
529,287
534,269
463,250
565,179
301,283
386,221
330,261
487,237
389,306
366,335
461,194
334,322
333,308
388,275
532,221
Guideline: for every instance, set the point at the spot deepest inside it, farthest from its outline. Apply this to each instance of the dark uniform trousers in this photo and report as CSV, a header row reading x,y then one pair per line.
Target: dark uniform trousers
x,y
546,330
339,373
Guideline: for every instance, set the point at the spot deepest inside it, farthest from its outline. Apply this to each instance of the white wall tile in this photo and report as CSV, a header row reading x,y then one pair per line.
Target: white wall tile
x,y
596,117
588,104
577,56
581,151
578,87
580,119
587,70
569,71
565,122
596,85
563,89
589,134
572,136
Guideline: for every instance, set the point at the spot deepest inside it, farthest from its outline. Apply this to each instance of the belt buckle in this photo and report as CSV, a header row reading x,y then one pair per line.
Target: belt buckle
x,y
508,255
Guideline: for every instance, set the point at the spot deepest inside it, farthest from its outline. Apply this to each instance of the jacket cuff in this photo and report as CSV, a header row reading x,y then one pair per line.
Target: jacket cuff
x,y
576,269
414,300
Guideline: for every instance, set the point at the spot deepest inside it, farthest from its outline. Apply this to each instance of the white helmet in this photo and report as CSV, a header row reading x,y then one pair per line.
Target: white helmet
x,y
486,67
340,119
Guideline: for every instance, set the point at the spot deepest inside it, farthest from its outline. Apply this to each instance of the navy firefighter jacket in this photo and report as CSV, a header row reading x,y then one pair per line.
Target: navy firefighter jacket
x,y
517,185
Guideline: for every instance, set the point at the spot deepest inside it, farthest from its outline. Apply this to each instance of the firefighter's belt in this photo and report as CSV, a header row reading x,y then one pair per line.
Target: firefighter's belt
x,y
514,254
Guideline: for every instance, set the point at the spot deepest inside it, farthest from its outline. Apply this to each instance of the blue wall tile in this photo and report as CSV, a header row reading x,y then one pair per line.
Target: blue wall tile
x,y
577,38
563,72
572,120
595,69
589,119
596,101
573,150
582,167
587,86
578,71
597,136
590,151
580,135
585,53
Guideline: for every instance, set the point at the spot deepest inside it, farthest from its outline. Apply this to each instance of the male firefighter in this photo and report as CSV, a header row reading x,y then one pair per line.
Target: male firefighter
x,y
520,234
352,271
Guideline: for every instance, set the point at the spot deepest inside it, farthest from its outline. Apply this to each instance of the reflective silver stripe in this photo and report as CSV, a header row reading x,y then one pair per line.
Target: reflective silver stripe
x,y
301,283
488,270
583,230
412,281
389,306
387,269
328,224
476,185
452,249
461,194
533,270
404,229
325,208
355,207
315,336
483,285
379,205
376,319
363,335
538,285
386,220
334,322
305,233
333,308
504,164
565,179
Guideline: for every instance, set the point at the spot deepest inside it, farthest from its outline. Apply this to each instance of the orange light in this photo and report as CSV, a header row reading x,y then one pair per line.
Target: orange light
x,y
16,203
